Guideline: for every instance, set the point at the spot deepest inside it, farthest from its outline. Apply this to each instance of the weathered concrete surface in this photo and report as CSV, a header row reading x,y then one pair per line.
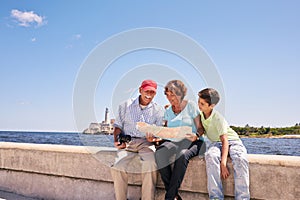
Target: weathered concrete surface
x,y
11,196
76,172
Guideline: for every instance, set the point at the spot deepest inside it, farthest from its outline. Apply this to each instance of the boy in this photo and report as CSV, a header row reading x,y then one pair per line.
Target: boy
x,y
224,141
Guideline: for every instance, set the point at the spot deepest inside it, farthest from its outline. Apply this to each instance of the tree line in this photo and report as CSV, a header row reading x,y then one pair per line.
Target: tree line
x,y
266,131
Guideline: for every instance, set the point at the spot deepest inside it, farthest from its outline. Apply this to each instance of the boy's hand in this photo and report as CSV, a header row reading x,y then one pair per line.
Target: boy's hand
x,y
224,171
120,146
225,147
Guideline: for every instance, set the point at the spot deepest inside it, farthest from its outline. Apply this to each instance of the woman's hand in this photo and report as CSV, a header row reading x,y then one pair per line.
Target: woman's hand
x,y
190,136
151,138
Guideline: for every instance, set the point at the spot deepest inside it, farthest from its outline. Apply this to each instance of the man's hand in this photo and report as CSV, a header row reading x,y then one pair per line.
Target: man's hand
x,y
120,146
117,144
224,171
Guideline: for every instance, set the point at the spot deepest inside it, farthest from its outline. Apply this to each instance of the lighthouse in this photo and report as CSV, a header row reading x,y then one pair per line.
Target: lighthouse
x,y
105,127
106,121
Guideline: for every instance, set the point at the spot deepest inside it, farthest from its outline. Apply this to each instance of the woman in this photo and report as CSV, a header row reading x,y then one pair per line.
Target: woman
x,y
181,112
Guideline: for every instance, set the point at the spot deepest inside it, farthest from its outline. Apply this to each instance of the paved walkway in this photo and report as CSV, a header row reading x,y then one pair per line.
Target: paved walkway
x,y
12,196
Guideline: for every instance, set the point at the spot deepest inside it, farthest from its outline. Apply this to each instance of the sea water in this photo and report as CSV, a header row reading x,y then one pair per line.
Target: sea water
x,y
270,146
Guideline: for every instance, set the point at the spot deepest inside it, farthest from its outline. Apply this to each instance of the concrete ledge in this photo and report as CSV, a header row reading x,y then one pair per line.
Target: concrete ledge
x,y
78,172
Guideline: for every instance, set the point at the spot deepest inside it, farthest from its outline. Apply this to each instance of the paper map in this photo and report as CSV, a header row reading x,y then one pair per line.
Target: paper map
x,y
170,133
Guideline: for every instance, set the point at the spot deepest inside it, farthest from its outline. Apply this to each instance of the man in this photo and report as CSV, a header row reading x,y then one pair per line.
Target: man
x,y
141,109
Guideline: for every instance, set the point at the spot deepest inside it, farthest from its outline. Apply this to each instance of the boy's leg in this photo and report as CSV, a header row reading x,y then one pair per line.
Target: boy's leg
x,y
119,174
238,154
214,182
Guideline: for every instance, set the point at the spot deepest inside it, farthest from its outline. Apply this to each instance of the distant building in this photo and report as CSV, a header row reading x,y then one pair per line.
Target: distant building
x,y
105,127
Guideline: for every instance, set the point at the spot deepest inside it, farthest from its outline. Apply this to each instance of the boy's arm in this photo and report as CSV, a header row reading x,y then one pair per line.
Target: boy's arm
x,y
199,125
225,148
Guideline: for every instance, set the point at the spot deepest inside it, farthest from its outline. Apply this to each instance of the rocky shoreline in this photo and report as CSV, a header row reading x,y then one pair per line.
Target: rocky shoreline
x,y
287,136
272,136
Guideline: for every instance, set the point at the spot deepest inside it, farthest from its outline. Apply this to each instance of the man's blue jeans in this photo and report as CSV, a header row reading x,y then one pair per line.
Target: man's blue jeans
x,y
238,155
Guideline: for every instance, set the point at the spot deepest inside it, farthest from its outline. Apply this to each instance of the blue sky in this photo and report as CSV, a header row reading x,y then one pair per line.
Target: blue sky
x,y
253,44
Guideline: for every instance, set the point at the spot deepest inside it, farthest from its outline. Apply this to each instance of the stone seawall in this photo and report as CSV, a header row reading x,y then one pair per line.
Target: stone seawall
x,y
77,172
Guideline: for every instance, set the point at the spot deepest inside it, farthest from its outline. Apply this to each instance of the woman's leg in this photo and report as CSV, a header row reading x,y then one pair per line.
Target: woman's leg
x,y
180,166
163,156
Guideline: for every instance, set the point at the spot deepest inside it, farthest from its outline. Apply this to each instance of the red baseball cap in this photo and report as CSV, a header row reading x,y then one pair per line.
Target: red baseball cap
x,y
149,85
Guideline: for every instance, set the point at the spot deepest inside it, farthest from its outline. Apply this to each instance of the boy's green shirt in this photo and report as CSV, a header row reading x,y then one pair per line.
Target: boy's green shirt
x,y
216,125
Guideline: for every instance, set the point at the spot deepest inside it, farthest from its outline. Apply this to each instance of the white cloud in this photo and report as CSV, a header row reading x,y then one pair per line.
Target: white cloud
x,y
27,18
76,37
73,40
130,90
69,46
23,103
33,39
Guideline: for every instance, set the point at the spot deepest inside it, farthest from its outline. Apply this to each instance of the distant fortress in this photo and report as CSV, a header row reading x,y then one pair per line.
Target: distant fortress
x,y
105,127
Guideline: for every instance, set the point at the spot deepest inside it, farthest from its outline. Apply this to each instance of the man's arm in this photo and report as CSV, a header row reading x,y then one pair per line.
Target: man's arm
x,y
225,148
119,124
